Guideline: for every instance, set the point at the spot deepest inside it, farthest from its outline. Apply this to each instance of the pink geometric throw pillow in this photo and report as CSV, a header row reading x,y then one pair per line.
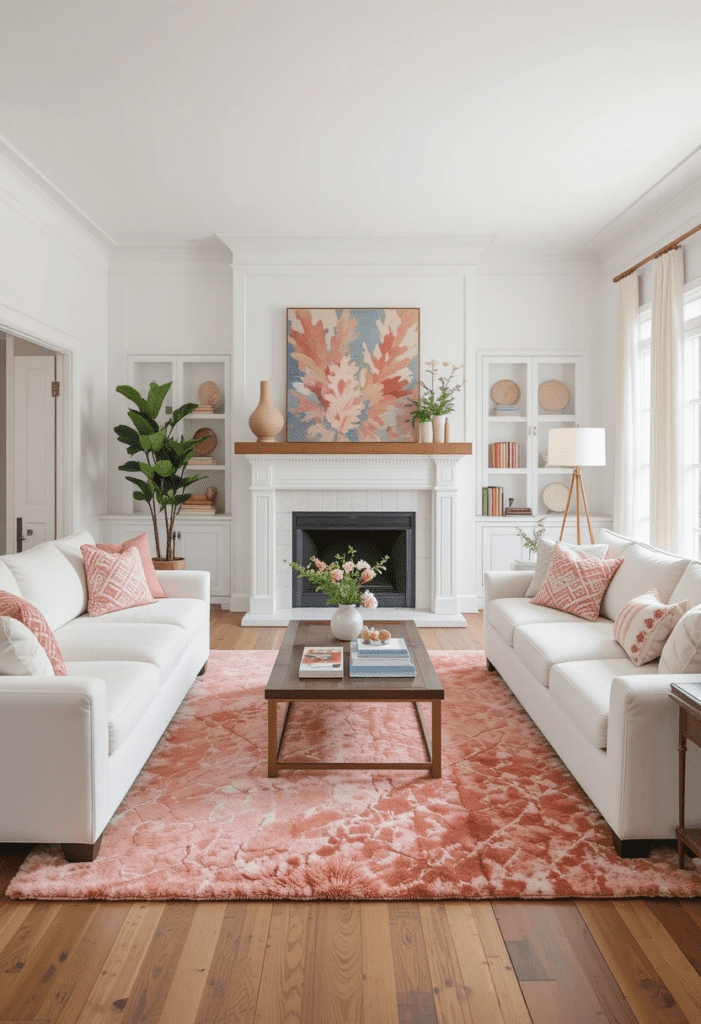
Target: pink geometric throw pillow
x,y
575,584
17,608
115,581
643,625
141,544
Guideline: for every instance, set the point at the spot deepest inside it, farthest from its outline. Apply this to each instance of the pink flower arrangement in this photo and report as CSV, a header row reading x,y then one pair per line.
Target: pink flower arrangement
x,y
341,581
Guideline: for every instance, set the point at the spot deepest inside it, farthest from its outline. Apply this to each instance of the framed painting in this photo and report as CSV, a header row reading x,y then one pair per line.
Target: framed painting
x,y
351,374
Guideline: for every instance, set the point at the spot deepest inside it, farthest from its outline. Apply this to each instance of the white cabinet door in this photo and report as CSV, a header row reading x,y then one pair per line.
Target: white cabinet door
x,y
206,546
501,546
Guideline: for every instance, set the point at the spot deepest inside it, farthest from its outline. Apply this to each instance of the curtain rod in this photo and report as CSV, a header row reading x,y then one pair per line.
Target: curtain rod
x,y
654,255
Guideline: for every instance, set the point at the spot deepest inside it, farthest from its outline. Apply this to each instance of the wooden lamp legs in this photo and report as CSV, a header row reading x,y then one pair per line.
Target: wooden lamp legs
x,y
577,485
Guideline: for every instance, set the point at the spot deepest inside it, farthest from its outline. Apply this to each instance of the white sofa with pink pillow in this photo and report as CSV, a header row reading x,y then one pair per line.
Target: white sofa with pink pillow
x,y
71,746
612,722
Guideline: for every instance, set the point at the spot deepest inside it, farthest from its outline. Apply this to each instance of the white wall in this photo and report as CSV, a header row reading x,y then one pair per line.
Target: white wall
x,y
53,290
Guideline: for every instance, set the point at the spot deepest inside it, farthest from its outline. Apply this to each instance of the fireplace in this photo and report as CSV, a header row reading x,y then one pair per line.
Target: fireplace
x,y
373,535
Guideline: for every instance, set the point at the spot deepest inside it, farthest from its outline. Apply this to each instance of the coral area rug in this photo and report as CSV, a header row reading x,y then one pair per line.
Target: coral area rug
x,y
203,821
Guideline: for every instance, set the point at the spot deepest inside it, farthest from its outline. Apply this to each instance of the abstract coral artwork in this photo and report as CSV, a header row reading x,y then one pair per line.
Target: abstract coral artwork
x,y
351,374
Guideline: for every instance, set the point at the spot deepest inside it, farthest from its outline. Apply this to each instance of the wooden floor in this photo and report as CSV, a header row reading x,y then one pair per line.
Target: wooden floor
x,y
502,962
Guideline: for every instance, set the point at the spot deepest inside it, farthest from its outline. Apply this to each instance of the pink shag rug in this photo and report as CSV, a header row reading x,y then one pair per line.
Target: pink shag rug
x,y
203,821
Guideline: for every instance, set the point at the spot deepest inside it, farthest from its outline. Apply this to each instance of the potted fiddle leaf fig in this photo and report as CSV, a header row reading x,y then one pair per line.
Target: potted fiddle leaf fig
x,y
163,481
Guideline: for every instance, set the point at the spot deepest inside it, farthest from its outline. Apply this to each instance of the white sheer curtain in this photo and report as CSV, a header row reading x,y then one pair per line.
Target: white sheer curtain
x,y
627,497
667,508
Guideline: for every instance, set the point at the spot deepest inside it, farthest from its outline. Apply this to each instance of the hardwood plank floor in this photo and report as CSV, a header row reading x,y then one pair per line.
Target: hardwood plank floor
x,y
500,962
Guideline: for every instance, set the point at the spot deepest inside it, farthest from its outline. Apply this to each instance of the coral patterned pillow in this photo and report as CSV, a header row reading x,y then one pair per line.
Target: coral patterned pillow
x,y
115,581
141,544
643,625
575,584
17,608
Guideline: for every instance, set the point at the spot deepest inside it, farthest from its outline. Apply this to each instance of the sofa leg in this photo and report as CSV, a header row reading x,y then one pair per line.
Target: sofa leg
x,y
629,848
490,667
203,669
79,853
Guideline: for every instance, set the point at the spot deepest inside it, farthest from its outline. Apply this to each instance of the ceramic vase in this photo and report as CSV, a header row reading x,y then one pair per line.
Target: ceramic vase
x,y
439,429
346,622
266,421
426,432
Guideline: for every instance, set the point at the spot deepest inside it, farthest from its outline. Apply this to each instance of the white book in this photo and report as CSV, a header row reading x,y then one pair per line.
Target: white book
x,y
395,645
321,662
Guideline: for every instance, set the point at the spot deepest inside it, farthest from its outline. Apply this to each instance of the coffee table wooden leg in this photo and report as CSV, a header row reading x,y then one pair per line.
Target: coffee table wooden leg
x,y
272,739
436,765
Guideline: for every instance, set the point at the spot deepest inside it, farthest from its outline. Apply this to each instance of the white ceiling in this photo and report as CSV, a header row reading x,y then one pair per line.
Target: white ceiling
x,y
534,121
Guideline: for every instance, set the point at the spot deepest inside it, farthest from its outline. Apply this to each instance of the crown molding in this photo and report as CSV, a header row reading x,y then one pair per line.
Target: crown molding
x,y
408,250
153,255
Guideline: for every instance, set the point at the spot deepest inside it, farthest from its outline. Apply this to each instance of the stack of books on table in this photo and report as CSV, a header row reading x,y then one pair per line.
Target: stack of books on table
x,y
389,659
198,504
321,663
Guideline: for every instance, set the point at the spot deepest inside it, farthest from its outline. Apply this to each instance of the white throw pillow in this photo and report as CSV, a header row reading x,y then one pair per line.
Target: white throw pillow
x,y
682,652
21,654
617,543
643,569
689,586
644,624
545,557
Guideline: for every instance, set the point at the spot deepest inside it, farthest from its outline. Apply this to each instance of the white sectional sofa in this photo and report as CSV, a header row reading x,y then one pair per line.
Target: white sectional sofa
x,y
71,746
613,724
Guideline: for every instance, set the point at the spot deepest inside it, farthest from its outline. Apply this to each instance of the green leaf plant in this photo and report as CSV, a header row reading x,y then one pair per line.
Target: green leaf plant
x,y
164,481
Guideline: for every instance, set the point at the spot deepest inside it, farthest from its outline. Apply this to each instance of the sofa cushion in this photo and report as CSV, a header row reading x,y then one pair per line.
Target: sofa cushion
x,y
542,645
70,547
154,643
583,690
141,545
682,652
643,568
48,580
615,541
115,580
8,583
508,613
689,586
576,584
21,654
546,550
130,686
643,625
20,609
185,612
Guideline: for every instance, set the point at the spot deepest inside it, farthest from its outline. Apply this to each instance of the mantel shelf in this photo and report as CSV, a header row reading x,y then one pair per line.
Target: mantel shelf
x,y
264,448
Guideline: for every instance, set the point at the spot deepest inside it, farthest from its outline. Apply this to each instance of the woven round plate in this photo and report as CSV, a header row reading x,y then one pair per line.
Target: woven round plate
x,y
555,497
206,441
506,392
553,395
208,393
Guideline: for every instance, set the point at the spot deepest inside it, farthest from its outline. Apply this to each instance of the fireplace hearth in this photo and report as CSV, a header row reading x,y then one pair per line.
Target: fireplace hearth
x,y
325,535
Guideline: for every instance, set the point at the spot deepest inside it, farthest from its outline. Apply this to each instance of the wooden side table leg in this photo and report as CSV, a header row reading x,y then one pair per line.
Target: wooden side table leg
x,y
682,782
272,739
436,762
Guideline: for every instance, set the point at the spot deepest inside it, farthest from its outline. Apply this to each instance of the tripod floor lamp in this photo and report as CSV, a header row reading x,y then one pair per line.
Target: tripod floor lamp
x,y
576,447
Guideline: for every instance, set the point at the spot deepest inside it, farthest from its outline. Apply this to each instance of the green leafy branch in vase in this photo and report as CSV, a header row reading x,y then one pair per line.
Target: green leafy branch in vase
x,y
436,402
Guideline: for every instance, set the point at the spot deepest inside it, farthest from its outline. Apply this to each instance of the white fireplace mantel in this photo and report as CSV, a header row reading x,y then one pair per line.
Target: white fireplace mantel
x,y
328,482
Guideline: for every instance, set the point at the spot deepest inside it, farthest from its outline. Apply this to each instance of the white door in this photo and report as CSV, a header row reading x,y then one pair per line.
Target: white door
x,y
33,495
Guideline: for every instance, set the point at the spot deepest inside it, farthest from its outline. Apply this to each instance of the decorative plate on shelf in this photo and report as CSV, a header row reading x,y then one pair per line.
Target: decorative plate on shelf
x,y
506,392
553,395
206,441
555,497
209,394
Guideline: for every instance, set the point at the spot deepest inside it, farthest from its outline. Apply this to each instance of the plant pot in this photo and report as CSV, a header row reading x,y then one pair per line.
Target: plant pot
x,y
426,432
266,421
170,564
439,429
346,622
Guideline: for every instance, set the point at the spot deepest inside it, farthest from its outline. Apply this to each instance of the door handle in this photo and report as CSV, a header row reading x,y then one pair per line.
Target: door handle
x,y
19,537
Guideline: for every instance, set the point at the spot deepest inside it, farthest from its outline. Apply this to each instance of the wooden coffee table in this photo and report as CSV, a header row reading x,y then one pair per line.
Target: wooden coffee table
x,y
285,685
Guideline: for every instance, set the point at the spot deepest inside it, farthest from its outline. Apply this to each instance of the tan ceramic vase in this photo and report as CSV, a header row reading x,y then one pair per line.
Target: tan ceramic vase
x,y
266,421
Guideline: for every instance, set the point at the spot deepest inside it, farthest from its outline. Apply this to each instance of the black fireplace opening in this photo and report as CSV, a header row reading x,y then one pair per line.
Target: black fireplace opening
x,y
325,535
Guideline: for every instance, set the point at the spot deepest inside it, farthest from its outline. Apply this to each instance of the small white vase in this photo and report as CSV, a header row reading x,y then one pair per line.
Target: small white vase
x,y
426,432
439,429
346,622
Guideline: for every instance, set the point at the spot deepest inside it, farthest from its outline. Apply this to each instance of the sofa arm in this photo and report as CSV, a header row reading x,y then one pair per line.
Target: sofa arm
x,y
193,583
506,584
54,749
642,746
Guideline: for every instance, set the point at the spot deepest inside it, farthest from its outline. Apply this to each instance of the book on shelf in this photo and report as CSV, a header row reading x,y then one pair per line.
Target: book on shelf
x,y
395,647
202,460
504,455
321,662
513,511
492,501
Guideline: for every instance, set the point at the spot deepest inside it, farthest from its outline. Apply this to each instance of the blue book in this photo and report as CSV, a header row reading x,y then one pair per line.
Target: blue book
x,y
356,671
379,655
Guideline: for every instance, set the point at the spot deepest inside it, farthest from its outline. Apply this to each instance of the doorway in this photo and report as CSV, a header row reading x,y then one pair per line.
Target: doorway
x,y
32,424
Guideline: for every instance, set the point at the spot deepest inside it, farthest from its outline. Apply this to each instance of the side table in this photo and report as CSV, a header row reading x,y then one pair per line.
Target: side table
x,y
688,698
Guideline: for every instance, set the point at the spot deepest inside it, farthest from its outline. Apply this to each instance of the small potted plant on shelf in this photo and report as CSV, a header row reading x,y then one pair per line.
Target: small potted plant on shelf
x,y
163,482
435,405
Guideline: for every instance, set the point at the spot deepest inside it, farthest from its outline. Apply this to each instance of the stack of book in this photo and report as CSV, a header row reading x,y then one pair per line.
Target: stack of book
x,y
389,659
505,455
198,504
203,410
492,501
513,511
202,460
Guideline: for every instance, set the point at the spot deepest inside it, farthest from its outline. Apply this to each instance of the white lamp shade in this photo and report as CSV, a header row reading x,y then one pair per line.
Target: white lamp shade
x,y
577,446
